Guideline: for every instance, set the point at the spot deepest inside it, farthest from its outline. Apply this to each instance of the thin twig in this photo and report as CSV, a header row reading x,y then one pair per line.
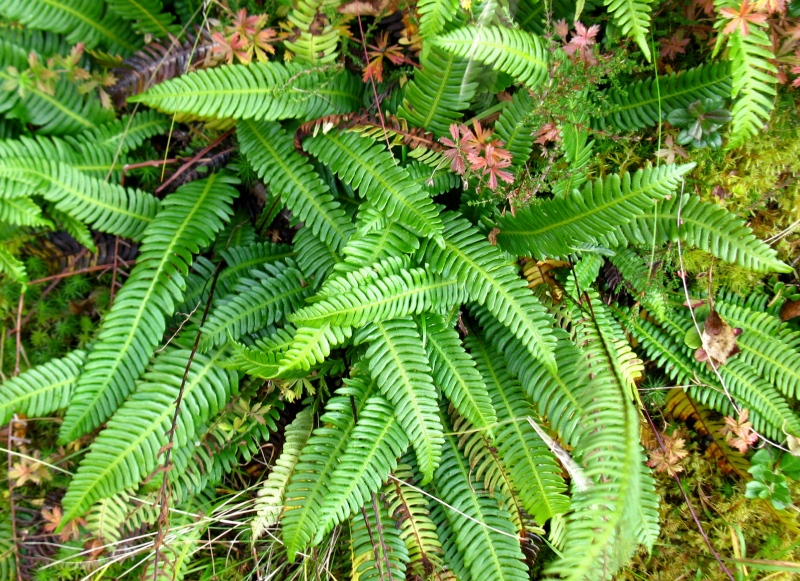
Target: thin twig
x,y
19,330
11,504
114,274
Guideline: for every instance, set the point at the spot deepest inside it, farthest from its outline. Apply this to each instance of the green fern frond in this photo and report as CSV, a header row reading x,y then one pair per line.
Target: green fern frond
x,y
577,148
135,324
312,345
22,211
377,441
377,549
703,225
407,505
774,359
317,40
315,257
107,517
375,246
12,267
515,128
269,503
485,537
454,372
533,467
104,206
270,150
453,558
41,390
148,16
513,51
633,19
128,448
259,91
636,273
443,88
409,292
554,227
81,20
639,104
262,299
399,365
489,279
309,482
754,80
123,134
263,358
366,165
434,16
243,260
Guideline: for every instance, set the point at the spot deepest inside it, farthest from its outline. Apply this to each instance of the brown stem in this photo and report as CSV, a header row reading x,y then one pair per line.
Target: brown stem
x,y
19,331
11,503
150,163
193,160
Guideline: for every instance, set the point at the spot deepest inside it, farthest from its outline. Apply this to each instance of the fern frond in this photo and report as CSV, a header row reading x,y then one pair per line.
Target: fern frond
x,y
41,390
377,549
633,19
409,292
269,503
315,257
270,150
516,129
317,40
312,345
128,448
484,534
12,267
366,165
454,372
148,16
81,20
371,455
703,225
243,260
637,106
753,83
409,508
443,88
22,211
135,324
533,467
259,91
263,358
123,134
309,482
554,227
577,148
434,16
513,51
255,302
485,272
106,207
398,363
774,359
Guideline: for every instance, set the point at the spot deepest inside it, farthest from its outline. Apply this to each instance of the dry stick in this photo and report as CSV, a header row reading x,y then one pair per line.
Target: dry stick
x,y
163,517
150,163
19,330
688,502
11,504
114,275
193,159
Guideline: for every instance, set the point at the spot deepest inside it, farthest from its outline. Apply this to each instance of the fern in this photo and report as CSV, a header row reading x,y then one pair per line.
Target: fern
x,y
440,91
260,91
366,165
121,457
490,281
264,358
704,225
269,503
262,299
555,227
398,363
377,550
434,16
515,128
633,19
104,206
309,482
454,372
484,535
312,345
640,104
190,217
315,47
147,14
270,150
371,455
41,390
81,20
518,53
753,87
532,465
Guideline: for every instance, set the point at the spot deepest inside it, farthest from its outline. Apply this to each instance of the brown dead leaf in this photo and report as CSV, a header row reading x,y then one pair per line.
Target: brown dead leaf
x,y
790,310
719,341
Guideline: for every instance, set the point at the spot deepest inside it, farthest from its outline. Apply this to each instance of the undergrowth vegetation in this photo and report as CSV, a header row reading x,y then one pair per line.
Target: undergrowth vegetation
x,y
390,290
